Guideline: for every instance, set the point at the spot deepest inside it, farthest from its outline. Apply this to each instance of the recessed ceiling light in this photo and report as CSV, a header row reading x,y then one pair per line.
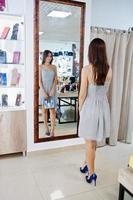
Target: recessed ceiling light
x,y
60,14
41,33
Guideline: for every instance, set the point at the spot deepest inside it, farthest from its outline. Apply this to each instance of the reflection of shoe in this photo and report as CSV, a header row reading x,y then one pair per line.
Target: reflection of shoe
x,y
84,169
47,132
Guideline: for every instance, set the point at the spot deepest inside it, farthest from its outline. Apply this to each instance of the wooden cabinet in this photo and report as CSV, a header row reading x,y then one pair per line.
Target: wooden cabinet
x,y
13,135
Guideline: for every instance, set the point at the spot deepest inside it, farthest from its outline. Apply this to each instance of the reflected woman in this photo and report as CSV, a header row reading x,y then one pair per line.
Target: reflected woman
x,y
94,125
48,83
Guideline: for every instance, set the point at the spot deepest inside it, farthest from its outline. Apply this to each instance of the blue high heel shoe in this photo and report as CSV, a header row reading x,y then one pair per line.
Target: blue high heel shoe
x,y
84,170
92,179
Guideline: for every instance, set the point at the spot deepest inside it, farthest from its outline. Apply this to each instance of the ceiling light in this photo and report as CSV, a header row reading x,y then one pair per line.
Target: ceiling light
x,y
60,14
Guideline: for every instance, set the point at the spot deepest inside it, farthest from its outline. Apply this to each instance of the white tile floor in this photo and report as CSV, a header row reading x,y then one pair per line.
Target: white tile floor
x,y
60,129
54,174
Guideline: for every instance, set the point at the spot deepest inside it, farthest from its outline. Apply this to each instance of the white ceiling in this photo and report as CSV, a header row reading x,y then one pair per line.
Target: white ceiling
x,y
59,29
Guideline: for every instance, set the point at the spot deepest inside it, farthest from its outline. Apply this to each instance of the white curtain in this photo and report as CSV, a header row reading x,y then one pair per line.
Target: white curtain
x,y
126,122
120,56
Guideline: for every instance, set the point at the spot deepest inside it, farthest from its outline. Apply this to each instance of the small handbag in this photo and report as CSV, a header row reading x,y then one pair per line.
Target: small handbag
x,y
58,113
49,103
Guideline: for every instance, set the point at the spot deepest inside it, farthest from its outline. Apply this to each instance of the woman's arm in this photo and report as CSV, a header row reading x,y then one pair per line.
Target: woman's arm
x,y
83,88
41,84
54,83
109,75
108,80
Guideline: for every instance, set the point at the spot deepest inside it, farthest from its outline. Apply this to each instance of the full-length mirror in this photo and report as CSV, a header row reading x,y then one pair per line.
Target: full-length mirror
x,y
59,31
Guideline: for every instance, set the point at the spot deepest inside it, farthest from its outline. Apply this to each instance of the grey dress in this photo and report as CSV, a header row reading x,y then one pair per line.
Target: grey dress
x,y
48,77
95,114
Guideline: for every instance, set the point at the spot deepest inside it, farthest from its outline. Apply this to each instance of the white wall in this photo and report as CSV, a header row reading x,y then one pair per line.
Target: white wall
x,y
14,7
112,13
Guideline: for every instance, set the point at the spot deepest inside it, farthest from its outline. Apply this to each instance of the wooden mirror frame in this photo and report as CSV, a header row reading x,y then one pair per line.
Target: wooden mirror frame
x,y
81,5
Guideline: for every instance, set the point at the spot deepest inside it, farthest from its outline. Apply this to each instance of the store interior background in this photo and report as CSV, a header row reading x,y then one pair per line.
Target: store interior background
x,y
113,16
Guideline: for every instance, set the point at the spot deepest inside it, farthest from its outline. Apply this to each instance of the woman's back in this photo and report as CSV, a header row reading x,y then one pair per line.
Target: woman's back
x,y
94,89
90,73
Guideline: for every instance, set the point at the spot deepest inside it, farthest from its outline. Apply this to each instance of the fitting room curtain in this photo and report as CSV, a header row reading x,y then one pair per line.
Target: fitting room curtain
x,y
120,56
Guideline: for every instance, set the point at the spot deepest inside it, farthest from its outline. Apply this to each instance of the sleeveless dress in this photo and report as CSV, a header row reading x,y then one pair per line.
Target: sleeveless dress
x,y
48,77
95,114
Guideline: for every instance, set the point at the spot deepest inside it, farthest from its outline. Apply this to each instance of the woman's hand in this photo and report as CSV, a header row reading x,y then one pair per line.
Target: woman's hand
x,y
80,109
45,95
52,93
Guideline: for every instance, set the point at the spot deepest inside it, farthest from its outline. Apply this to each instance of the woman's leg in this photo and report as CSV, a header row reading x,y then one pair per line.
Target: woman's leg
x,y
86,156
85,161
90,155
52,118
45,118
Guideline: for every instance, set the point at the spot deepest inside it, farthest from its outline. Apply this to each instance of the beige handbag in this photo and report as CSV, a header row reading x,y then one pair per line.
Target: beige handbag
x,y
130,163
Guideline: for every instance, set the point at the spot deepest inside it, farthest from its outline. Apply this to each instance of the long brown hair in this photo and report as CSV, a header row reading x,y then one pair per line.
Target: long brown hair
x,y
45,55
98,58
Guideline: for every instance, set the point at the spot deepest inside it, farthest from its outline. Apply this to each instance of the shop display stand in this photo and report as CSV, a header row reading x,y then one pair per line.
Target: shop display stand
x,y
12,84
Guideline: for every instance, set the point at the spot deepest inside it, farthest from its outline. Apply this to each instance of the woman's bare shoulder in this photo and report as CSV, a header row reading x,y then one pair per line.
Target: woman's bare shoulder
x,y
84,69
40,66
53,67
88,69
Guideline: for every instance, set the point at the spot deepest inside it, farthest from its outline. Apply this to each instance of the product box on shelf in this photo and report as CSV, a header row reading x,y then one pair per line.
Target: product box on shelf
x,y
3,56
15,77
18,100
16,57
5,32
4,100
3,79
15,32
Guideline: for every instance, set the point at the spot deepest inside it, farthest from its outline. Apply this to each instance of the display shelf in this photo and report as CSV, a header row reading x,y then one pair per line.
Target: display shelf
x,y
10,87
8,15
9,40
12,84
12,66
12,108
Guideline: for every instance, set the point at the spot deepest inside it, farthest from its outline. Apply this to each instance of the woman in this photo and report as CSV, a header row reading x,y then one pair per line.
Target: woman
x,y
94,109
48,82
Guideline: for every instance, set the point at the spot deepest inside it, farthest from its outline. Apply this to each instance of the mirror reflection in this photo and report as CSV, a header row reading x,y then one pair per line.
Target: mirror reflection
x,y
59,44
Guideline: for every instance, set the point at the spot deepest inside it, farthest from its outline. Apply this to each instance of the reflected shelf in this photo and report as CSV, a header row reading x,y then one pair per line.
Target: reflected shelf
x,y
11,64
8,40
12,108
11,87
